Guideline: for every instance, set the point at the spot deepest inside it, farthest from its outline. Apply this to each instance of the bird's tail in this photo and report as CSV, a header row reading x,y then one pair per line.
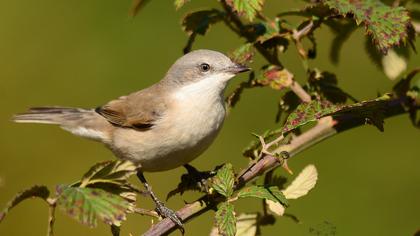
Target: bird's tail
x,y
50,115
81,122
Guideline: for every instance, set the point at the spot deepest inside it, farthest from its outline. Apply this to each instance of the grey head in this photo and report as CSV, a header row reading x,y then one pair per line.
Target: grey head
x,y
201,65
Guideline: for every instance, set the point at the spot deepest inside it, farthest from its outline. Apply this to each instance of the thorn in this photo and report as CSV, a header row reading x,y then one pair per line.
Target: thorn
x,y
286,167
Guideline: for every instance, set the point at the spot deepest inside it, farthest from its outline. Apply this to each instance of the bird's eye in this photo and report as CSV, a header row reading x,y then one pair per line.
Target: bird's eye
x,y
204,67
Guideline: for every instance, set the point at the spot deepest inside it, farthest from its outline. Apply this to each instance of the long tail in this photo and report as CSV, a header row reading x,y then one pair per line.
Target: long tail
x,y
50,115
81,122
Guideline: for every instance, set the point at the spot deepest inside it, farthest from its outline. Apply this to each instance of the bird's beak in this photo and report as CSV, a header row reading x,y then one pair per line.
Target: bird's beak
x,y
238,68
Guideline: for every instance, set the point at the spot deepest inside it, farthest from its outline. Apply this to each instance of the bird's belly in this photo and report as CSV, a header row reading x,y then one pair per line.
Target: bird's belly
x,y
171,142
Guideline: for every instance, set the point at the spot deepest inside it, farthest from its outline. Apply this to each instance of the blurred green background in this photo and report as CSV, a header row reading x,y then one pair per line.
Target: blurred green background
x,y
84,53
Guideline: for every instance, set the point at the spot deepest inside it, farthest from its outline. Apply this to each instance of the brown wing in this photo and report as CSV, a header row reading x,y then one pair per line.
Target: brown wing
x,y
139,110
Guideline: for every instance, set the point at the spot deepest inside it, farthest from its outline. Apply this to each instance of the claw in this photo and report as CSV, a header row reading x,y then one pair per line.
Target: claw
x,y
166,212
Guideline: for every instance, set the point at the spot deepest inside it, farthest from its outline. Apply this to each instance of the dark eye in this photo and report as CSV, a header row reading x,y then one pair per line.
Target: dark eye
x,y
204,67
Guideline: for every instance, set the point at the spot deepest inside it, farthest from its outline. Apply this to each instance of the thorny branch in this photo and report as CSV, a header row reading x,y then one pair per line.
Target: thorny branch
x,y
325,128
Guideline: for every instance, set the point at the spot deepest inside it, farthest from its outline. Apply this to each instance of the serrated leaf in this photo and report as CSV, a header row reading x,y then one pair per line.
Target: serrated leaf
x,y
372,110
225,219
307,112
109,171
32,192
272,193
199,22
387,25
247,8
86,205
243,55
275,77
302,184
180,3
224,180
111,176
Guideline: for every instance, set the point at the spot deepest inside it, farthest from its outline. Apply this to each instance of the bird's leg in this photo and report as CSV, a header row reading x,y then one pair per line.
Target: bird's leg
x,y
161,209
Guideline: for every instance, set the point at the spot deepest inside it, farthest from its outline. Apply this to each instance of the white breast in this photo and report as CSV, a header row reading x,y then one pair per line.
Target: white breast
x,y
186,129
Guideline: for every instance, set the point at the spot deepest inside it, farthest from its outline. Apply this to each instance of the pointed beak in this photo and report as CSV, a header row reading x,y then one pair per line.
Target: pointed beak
x,y
238,68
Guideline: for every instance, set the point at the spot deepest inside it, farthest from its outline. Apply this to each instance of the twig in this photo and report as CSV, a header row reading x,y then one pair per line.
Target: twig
x,y
326,128
240,29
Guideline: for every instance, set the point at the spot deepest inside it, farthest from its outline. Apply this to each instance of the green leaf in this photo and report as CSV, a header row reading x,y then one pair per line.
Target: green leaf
x,y
275,77
226,219
87,204
387,25
199,22
180,3
372,110
307,112
243,54
111,176
224,180
247,8
109,171
32,192
272,193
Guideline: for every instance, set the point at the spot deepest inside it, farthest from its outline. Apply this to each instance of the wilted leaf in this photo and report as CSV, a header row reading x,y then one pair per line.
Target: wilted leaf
x,y
180,3
243,54
275,77
225,219
224,180
302,184
307,112
199,22
87,204
393,64
272,193
247,224
387,25
35,191
247,8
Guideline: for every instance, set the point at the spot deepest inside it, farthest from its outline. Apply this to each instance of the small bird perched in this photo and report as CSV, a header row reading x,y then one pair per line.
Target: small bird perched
x,y
160,127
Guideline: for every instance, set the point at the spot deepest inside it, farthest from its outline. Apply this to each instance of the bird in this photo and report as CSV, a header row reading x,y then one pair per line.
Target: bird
x,y
160,127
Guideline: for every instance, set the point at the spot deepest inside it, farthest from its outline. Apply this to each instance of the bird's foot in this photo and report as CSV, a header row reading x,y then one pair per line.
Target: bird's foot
x,y
166,212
